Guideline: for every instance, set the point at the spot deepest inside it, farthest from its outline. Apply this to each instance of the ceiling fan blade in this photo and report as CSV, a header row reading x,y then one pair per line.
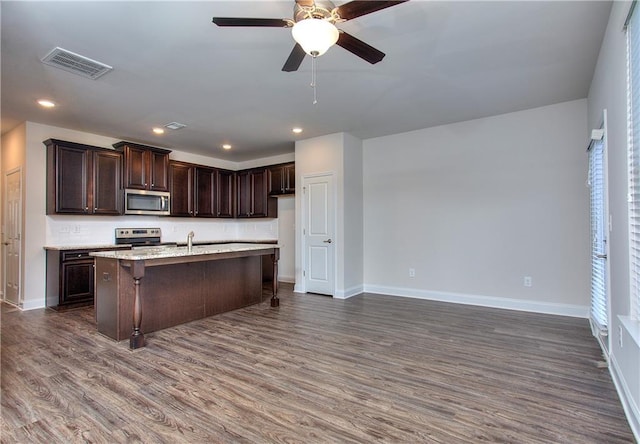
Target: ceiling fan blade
x,y
359,48
357,8
261,22
295,59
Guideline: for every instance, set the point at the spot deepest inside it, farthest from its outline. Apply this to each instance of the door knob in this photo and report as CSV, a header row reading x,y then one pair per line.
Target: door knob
x,y
328,241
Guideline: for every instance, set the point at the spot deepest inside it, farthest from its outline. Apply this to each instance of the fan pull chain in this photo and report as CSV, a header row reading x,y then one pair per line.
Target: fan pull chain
x,y
313,79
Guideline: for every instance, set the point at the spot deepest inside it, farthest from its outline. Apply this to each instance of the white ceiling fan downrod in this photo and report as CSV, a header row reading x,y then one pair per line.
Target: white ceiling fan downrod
x,y
313,78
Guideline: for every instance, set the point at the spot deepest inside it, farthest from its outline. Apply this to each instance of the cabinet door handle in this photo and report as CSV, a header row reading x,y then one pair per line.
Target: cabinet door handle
x,y
106,276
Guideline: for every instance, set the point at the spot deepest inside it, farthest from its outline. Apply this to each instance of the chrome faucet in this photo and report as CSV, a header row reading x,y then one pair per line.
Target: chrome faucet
x,y
190,241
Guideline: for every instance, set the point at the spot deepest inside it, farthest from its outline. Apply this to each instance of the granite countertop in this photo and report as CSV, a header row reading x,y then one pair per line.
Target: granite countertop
x,y
180,244
227,241
86,247
161,252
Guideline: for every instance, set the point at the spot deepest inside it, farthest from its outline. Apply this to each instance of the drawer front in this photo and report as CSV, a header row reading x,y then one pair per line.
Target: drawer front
x,y
75,255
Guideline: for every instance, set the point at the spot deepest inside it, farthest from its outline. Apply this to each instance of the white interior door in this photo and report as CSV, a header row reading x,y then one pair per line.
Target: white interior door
x,y
12,239
319,232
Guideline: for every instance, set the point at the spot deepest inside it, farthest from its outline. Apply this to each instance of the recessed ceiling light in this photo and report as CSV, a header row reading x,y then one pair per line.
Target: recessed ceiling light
x,y
297,130
226,146
157,130
46,103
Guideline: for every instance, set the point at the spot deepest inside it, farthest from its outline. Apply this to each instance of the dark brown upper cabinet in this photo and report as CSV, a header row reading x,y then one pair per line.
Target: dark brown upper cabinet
x,y
181,188
200,191
282,179
83,179
145,167
225,194
253,197
204,199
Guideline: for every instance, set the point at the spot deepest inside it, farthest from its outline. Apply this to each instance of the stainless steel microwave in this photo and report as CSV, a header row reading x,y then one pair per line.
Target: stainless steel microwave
x,y
154,203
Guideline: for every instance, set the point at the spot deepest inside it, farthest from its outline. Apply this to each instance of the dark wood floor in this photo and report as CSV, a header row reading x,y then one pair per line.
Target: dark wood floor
x,y
370,368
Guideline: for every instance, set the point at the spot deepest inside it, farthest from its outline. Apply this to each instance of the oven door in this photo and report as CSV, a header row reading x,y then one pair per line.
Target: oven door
x,y
156,203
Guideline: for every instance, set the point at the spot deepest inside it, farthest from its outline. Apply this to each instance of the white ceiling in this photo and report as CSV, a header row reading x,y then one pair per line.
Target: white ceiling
x,y
446,62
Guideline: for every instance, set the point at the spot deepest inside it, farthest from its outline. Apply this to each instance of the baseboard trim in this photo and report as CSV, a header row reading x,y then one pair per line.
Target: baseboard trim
x,y
287,279
32,305
349,292
631,410
576,311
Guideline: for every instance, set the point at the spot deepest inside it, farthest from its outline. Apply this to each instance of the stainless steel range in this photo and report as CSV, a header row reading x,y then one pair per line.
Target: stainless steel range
x,y
139,237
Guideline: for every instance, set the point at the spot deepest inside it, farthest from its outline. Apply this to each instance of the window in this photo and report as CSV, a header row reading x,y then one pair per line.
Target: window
x,y
599,311
633,60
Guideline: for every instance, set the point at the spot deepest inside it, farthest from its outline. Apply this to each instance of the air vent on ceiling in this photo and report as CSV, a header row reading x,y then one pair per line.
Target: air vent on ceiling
x,y
175,125
75,63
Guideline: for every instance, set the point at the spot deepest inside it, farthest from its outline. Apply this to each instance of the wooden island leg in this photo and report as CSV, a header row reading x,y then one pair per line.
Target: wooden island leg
x,y
275,302
137,337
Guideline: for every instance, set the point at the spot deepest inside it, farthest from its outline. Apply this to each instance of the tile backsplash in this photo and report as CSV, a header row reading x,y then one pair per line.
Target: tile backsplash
x,y
100,230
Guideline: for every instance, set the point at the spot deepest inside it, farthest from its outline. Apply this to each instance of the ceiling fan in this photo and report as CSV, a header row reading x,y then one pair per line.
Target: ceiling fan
x,y
313,28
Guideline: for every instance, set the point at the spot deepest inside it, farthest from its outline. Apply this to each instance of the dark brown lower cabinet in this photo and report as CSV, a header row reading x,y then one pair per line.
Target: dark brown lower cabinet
x,y
77,281
70,278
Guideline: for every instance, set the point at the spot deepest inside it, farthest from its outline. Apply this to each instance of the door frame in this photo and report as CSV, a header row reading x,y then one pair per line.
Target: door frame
x,y
305,218
4,221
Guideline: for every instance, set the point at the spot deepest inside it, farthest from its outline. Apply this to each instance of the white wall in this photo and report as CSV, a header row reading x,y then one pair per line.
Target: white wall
x,y
12,157
608,91
58,230
36,221
318,155
475,206
341,155
352,218
273,160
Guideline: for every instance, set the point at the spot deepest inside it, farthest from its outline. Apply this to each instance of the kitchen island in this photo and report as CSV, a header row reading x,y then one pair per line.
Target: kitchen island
x,y
149,289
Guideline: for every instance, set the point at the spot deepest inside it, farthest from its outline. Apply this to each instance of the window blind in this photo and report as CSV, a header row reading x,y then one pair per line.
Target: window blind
x,y
599,303
633,57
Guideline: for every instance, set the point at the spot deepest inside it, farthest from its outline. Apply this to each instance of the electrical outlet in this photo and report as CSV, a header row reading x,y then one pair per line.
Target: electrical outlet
x,y
528,281
412,272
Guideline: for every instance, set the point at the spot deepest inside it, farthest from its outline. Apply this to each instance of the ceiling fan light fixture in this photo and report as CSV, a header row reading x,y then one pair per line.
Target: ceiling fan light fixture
x,y
315,36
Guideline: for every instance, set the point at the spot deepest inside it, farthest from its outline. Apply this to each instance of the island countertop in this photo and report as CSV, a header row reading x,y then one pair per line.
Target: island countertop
x,y
167,252
173,285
